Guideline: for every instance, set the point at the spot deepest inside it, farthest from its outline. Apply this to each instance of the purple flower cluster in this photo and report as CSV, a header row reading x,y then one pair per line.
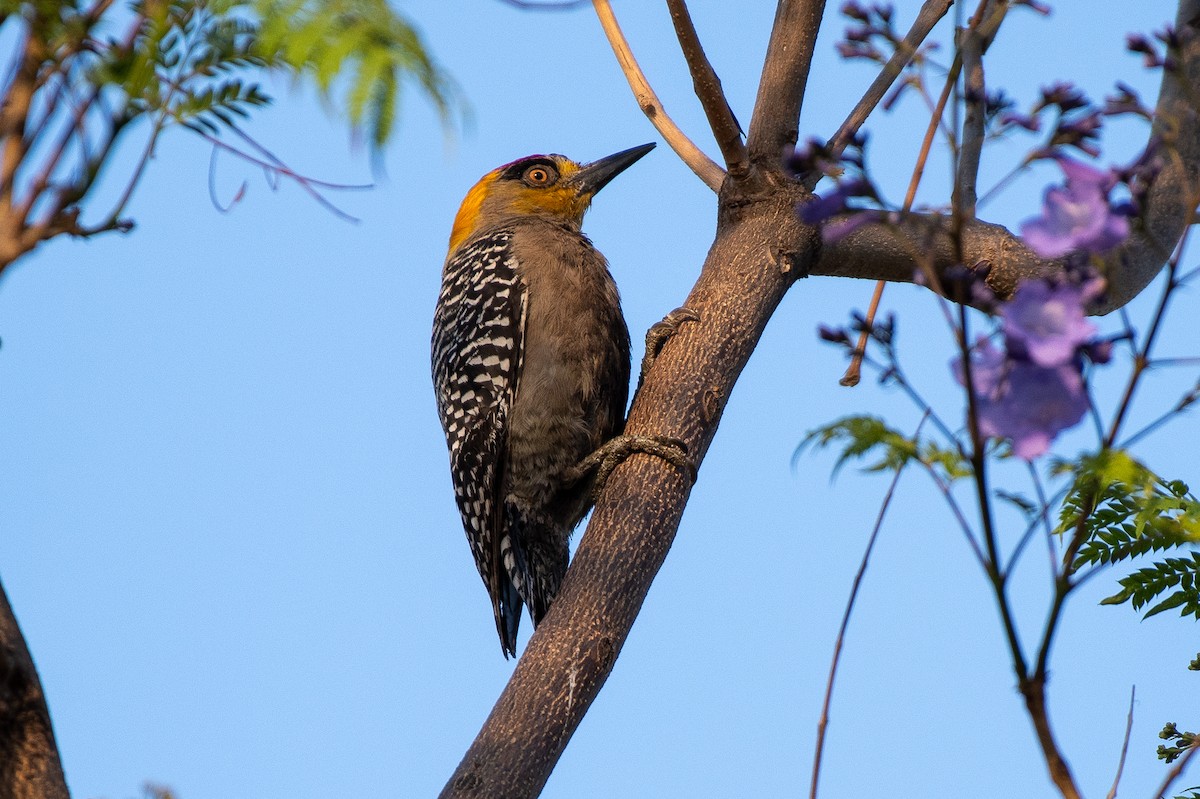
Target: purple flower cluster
x,y
874,23
1033,389
1173,40
1078,216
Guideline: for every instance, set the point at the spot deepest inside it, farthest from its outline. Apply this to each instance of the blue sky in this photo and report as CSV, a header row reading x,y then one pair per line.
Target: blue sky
x,y
228,527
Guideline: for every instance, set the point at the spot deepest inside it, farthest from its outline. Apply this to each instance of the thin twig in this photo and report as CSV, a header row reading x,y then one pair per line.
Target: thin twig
x,y
959,516
1177,771
930,14
42,181
1112,792
705,168
823,723
707,85
309,185
853,371
1044,517
1142,359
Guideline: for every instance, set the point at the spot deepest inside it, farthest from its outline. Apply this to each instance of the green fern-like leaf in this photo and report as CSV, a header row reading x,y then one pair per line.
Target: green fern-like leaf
x,y
861,435
366,43
1148,584
1125,510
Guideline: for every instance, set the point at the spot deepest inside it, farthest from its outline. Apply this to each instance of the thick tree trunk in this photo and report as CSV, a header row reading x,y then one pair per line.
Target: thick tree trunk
x,y
29,764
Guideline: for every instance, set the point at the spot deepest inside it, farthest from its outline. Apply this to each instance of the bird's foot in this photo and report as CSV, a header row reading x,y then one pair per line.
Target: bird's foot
x,y
610,455
658,335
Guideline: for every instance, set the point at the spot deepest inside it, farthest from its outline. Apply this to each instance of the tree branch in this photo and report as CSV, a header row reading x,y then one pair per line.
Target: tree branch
x,y
972,44
930,14
705,168
724,126
29,763
775,122
889,252
967,173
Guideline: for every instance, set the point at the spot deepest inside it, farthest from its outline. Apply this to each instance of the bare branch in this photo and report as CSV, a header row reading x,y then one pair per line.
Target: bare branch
x,y
823,722
930,14
29,763
725,127
776,118
964,195
972,44
1034,691
1112,792
705,168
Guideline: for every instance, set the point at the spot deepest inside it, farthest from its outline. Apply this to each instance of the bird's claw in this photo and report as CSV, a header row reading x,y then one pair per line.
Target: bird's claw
x,y
604,460
658,335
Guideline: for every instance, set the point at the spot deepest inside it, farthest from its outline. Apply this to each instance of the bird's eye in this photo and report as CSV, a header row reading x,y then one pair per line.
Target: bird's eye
x,y
539,176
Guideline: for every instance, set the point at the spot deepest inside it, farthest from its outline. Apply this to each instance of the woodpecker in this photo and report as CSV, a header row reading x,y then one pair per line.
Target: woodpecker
x,y
531,371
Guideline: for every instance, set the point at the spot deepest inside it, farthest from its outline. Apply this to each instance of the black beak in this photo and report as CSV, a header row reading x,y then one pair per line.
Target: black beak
x,y
596,175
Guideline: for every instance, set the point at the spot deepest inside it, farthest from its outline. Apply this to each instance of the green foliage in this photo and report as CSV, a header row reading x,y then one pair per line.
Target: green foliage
x,y
193,62
1144,585
1179,742
866,434
82,72
1124,511
364,39
187,63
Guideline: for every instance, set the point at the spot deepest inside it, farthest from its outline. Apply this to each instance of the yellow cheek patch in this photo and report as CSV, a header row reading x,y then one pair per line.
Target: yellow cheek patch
x,y
468,213
558,200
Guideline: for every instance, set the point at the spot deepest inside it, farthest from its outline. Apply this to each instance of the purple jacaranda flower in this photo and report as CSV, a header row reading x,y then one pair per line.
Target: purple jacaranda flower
x,y
1077,216
1020,401
1014,119
1125,101
816,158
1040,8
1034,404
1080,131
1099,351
987,367
1045,323
1064,95
822,207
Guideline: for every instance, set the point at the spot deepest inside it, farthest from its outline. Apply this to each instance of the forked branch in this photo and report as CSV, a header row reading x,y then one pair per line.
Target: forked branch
x,y
930,14
724,125
704,167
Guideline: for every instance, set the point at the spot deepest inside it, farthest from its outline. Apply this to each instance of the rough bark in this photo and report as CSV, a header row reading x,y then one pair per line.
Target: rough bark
x,y
29,763
760,249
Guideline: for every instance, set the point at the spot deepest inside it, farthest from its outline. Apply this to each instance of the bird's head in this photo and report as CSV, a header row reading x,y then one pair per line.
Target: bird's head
x,y
551,186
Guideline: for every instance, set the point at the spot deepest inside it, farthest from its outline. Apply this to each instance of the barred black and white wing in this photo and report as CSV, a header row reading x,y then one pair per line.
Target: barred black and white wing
x,y
478,329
